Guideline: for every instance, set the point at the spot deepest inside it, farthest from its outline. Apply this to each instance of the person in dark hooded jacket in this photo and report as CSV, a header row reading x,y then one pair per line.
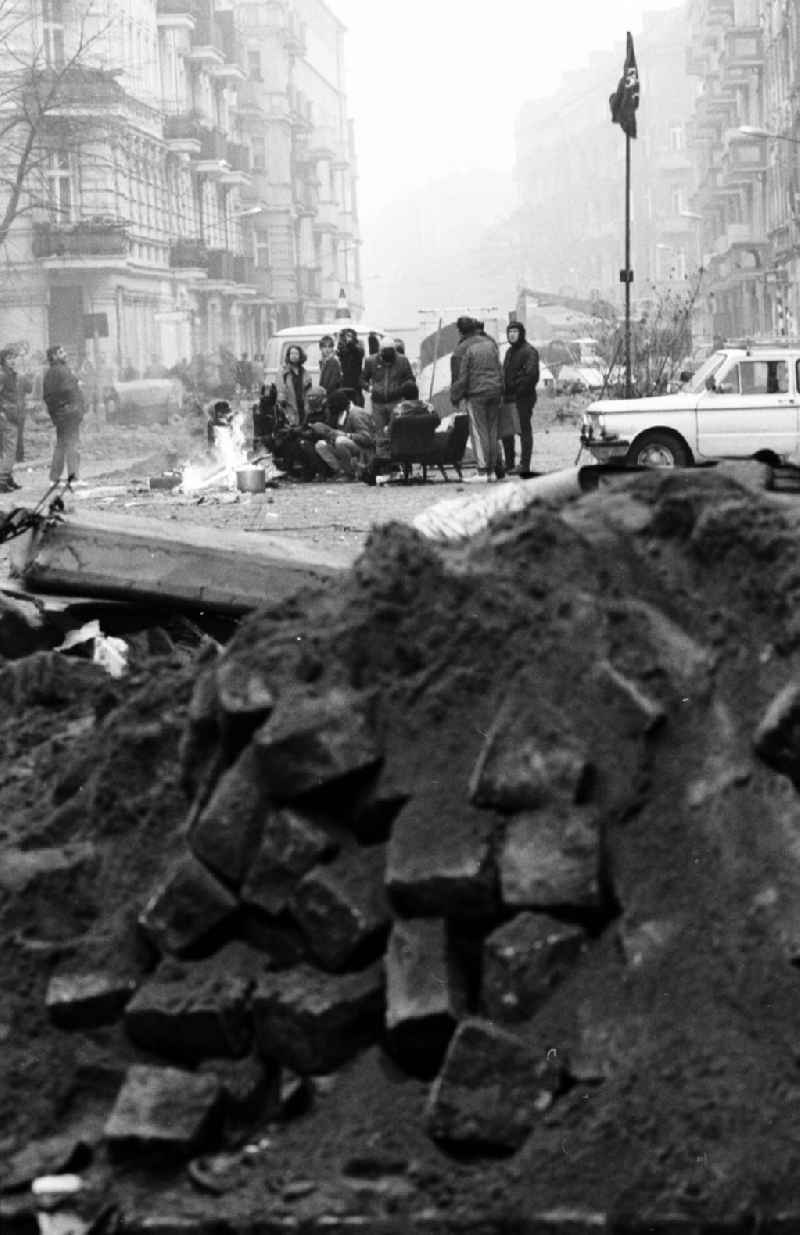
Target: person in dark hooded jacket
x,y
520,379
351,358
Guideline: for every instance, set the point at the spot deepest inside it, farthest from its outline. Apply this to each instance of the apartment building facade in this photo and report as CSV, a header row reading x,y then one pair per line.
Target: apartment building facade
x,y
746,128
570,176
175,206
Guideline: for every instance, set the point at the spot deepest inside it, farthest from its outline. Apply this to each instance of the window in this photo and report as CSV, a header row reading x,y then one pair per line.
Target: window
x,y
678,200
676,137
60,195
763,377
254,65
53,27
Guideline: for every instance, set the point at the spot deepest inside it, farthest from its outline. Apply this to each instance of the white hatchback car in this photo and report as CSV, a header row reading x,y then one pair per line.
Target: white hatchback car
x,y
740,401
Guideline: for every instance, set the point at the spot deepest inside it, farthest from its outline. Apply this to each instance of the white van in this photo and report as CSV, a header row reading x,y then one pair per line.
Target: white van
x,y
308,338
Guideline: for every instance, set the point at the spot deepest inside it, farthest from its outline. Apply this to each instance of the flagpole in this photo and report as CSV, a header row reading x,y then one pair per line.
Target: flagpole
x,y
628,385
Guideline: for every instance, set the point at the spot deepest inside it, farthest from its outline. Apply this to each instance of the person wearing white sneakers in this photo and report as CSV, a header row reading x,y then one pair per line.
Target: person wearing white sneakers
x,y
478,385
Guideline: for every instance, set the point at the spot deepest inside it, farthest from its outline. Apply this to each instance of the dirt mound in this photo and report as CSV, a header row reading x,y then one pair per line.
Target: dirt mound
x,y
465,893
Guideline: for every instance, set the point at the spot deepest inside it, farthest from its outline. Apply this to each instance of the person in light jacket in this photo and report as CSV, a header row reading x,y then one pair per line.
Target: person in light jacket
x,y
294,386
478,385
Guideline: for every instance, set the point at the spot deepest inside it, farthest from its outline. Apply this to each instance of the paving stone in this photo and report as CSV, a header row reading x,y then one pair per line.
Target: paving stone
x,y
227,833
52,1155
777,737
186,908
309,743
86,1000
279,942
29,869
523,961
375,805
19,1216
519,769
491,1089
552,858
312,1021
243,691
195,1011
163,1109
342,907
441,872
425,988
291,844
248,1085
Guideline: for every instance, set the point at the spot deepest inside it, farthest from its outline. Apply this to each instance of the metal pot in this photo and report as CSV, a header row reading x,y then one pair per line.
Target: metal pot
x,y
251,479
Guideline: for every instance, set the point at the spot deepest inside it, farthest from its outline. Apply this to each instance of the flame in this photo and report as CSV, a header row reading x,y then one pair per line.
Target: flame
x,y
229,453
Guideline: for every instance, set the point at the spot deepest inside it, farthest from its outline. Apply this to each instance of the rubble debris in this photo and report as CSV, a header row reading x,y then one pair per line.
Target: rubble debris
x,y
342,909
163,1110
578,923
87,1000
311,1021
186,908
523,961
491,1089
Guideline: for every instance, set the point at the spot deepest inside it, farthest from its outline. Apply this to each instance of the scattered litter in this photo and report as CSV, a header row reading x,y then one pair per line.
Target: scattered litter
x,y
105,650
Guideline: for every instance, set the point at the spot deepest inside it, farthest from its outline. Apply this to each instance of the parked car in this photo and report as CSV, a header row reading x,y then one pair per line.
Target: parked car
x,y
144,402
739,402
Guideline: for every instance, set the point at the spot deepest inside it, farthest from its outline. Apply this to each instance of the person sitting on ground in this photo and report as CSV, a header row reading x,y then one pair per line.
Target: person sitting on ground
x,y
330,369
411,404
266,419
347,445
294,445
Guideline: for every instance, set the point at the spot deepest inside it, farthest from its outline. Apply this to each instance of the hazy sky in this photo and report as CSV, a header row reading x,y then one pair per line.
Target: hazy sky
x,y
435,86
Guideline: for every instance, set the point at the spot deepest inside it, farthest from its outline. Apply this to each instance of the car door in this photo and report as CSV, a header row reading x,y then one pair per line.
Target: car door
x,y
754,407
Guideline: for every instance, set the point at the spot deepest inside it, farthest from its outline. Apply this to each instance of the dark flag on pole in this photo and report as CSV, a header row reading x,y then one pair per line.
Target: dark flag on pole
x,y
625,99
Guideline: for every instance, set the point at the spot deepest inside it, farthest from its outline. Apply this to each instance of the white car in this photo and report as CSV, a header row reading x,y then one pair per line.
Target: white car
x,y
739,402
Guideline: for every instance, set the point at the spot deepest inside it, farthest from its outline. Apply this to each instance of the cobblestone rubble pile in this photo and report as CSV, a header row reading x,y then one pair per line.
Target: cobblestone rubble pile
x,y
462,898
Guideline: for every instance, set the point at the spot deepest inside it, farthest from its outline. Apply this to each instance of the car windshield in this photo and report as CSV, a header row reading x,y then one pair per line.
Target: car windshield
x,y
697,383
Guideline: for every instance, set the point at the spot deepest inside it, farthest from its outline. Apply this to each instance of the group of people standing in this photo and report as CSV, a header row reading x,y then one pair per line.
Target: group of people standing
x,y
62,396
499,397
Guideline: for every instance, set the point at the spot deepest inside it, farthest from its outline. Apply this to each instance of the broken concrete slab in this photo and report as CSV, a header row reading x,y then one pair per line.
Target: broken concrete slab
x,y
431,873
291,844
311,742
425,989
342,907
523,961
129,558
186,909
22,869
87,1000
492,1088
552,859
312,1021
191,1012
163,1110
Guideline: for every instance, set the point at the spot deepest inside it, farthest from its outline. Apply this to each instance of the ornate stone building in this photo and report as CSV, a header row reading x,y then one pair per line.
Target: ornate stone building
x,y
193,188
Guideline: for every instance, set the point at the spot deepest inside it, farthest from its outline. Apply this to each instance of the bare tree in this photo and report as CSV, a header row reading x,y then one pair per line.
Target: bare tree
x,y
43,81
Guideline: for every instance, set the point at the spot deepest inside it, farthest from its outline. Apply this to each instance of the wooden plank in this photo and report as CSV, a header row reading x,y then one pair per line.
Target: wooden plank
x,y
120,557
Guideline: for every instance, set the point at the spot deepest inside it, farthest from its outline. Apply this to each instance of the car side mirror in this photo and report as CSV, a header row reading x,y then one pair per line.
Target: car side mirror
x,y
684,375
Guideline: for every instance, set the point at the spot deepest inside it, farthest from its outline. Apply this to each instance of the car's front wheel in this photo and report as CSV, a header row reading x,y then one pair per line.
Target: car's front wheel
x,y
659,448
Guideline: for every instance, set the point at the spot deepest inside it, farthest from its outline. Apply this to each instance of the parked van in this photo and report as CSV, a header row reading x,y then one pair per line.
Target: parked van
x,y
308,338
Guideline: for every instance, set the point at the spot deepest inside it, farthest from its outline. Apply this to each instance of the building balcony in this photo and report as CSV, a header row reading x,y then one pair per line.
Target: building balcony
x,y
327,217
323,142
263,282
739,235
183,134
210,160
99,243
176,13
744,157
188,254
208,49
238,155
250,98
